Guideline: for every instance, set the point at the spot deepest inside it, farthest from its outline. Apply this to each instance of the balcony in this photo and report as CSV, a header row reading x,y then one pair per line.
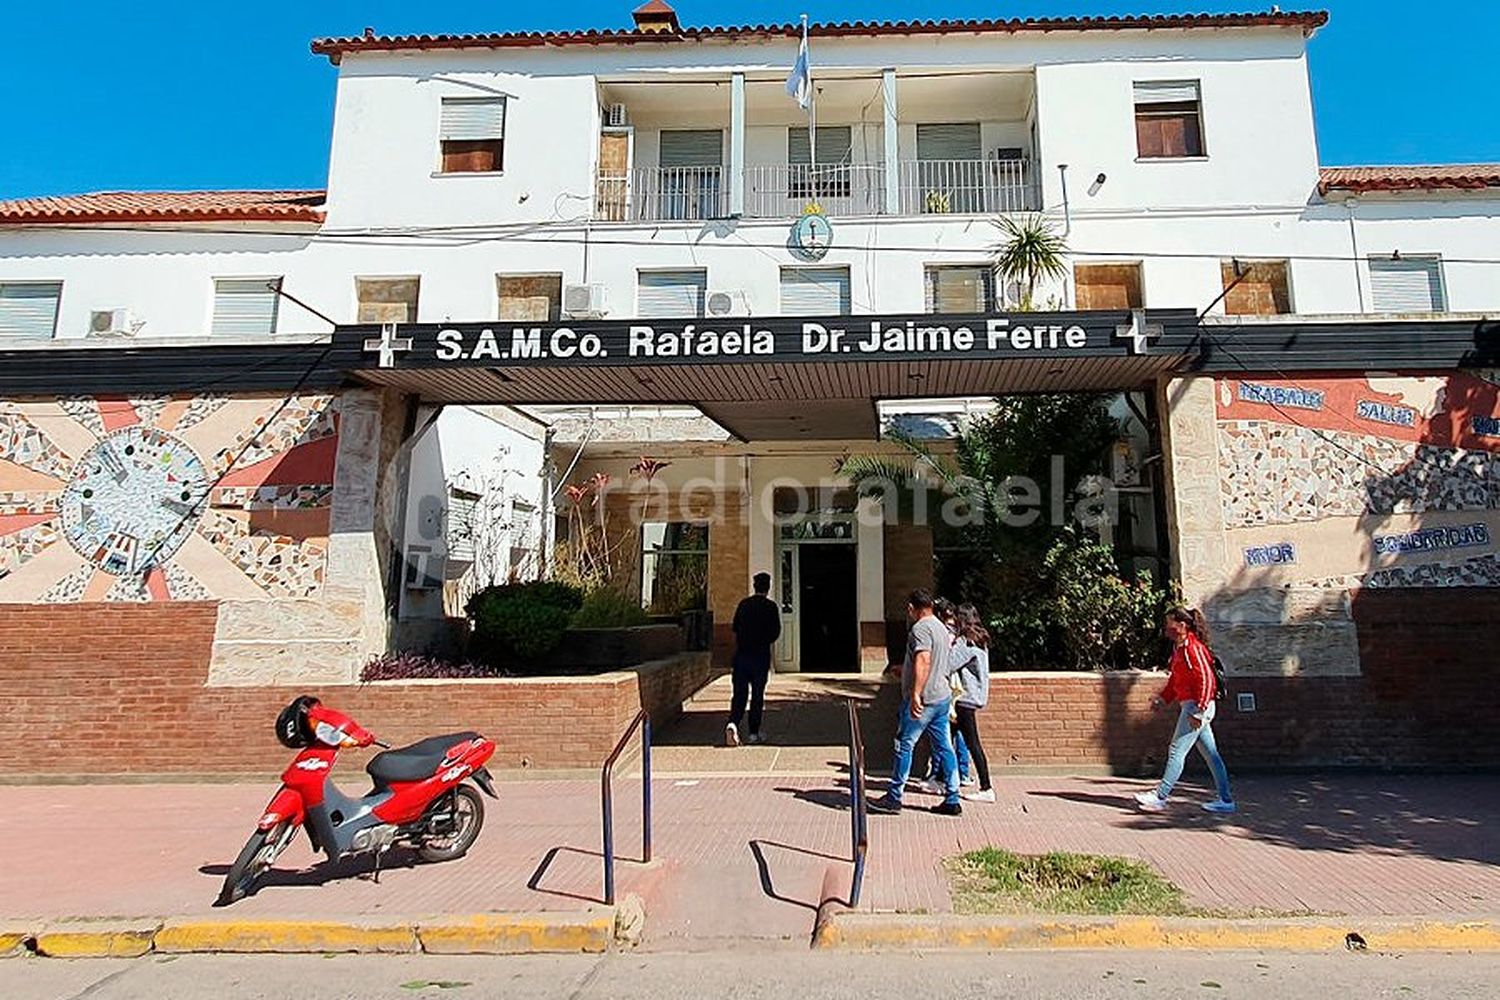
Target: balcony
x,y
962,144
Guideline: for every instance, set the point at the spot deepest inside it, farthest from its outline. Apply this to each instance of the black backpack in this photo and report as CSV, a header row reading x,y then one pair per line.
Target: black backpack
x,y
1221,685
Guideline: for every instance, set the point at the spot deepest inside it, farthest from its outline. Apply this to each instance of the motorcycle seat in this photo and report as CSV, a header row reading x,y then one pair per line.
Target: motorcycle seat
x,y
415,762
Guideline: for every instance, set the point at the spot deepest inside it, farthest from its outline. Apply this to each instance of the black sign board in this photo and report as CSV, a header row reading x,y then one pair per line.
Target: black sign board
x,y
984,336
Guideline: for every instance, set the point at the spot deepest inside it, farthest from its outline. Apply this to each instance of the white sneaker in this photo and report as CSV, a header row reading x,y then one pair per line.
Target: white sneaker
x,y
933,787
969,782
1150,802
731,735
986,795
755,739
1220,807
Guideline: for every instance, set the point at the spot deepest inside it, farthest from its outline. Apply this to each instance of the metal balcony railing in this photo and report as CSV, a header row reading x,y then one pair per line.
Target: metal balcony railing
x,y
781,191
664,194
940,187
774,191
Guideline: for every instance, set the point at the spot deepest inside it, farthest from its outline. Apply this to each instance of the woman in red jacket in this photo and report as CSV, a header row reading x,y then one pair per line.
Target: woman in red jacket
x,y
1192,684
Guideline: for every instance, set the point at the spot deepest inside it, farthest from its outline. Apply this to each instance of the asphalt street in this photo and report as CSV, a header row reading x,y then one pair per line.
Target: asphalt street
x,y
761,975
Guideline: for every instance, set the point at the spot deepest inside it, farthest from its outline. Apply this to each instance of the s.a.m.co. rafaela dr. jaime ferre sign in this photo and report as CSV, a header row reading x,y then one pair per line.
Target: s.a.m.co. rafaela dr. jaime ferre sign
x,y
777,339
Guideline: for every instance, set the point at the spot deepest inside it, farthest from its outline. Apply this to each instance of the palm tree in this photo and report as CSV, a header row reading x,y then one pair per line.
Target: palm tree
x,y
1031,251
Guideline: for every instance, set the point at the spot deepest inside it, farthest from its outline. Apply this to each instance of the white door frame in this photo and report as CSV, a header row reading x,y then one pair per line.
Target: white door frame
x,y
786,582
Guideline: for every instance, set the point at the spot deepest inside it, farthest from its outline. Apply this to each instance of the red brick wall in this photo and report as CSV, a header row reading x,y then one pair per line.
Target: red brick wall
x,y
1422,699
119,688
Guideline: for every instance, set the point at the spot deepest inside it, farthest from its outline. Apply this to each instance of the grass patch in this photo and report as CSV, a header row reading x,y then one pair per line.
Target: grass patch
x,y
996,881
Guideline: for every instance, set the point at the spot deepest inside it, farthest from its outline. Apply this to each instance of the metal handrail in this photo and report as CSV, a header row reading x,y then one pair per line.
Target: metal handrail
x,y
858,804
642,721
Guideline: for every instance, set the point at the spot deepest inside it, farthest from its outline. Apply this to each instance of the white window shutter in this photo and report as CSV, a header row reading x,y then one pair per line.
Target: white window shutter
x,y
473,118
245,307
30,309
949,142
815,291
1409,285
691,148
671,294
835,146
1167,92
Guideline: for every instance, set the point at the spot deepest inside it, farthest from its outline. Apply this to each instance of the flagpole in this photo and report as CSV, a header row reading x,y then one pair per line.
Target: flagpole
x,y
812,118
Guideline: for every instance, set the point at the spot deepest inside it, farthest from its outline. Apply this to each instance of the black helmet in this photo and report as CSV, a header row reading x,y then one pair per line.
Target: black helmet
x,y
292,726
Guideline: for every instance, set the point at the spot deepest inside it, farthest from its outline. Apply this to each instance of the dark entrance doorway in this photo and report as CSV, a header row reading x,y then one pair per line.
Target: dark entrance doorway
x,y
830,613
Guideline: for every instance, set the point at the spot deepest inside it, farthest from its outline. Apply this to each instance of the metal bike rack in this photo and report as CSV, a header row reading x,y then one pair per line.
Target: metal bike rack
x,y
859,815
642,722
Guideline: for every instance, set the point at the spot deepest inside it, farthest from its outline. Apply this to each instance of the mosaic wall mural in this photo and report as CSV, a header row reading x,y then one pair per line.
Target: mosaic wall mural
x,y
1383,481
165,498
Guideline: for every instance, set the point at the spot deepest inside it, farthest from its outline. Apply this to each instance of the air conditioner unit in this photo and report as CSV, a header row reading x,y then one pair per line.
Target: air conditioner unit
x,y
727,302
617,116
111,323
583,301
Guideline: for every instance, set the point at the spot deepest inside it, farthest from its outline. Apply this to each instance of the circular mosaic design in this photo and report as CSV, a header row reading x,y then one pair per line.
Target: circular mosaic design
x,y
133,499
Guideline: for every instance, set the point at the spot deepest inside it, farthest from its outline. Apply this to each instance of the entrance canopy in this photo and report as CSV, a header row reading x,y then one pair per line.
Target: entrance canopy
x,y
789,378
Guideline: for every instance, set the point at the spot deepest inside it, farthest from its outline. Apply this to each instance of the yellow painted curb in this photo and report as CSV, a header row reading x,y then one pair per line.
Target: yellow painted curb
x,y
290,936
864,932
13,942
507,934
96,939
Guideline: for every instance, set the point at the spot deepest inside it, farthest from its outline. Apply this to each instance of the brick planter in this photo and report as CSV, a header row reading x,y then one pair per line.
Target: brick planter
x,y
104,689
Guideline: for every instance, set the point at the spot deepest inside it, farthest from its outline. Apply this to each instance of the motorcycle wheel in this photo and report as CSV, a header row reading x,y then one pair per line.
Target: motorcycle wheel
x,y
255,859
468,817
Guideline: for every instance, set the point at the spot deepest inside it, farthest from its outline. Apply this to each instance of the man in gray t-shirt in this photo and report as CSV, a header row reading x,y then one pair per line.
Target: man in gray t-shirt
x,y
925,700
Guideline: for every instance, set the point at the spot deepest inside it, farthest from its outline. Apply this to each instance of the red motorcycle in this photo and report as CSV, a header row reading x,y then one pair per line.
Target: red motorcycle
x,y
420,798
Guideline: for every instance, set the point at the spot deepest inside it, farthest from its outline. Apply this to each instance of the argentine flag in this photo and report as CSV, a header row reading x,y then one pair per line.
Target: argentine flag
x,y
799,83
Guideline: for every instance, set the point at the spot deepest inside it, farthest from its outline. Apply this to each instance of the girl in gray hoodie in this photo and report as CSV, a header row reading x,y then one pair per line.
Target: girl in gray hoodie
x,y
973,672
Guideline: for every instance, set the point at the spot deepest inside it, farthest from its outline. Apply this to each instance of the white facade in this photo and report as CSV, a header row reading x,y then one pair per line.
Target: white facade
x,y
1060,104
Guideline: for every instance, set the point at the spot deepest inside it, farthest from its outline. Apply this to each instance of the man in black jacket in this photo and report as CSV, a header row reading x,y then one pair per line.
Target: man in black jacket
x,y
757,626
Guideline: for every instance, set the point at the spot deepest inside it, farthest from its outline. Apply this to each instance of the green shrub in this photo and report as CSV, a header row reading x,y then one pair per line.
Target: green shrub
x,y
519,623
605,608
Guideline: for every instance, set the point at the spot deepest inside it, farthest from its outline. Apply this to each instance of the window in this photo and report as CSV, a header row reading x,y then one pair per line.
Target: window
x,y
815,291
959,289
1264,289
835,148
1168,120
670,294
1108,286
472,135
530,297
462,523
950,168
674,567
387,300
245,307
691,165
29,309
1408,284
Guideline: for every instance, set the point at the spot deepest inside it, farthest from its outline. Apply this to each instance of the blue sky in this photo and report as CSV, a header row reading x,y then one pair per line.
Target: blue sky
x,y
164,95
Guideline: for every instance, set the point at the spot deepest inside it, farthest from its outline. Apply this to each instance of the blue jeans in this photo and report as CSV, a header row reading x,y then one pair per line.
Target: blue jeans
x,y
1183,740
934,722
960,748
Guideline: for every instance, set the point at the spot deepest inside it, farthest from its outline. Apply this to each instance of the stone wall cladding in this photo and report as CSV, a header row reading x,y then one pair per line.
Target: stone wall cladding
x,y
1280,474
122,686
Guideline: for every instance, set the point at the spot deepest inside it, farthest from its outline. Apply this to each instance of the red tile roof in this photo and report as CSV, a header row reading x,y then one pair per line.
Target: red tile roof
x,y
1455,177
105,207
334,48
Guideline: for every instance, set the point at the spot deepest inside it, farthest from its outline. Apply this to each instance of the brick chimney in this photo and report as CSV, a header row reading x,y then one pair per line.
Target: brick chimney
x,y
656,16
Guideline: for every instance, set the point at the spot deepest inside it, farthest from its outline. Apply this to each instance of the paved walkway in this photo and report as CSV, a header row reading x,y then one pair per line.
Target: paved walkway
x,y
746,856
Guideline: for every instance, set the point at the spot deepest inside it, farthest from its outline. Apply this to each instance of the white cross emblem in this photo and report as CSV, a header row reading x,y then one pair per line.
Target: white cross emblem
x,y
1139,331
388,344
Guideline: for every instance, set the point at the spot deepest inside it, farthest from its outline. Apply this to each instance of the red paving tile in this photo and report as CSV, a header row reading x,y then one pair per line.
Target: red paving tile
x,y
745,856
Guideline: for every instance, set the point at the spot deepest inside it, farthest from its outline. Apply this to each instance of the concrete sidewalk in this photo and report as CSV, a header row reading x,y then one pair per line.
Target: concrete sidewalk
x,y
747,857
